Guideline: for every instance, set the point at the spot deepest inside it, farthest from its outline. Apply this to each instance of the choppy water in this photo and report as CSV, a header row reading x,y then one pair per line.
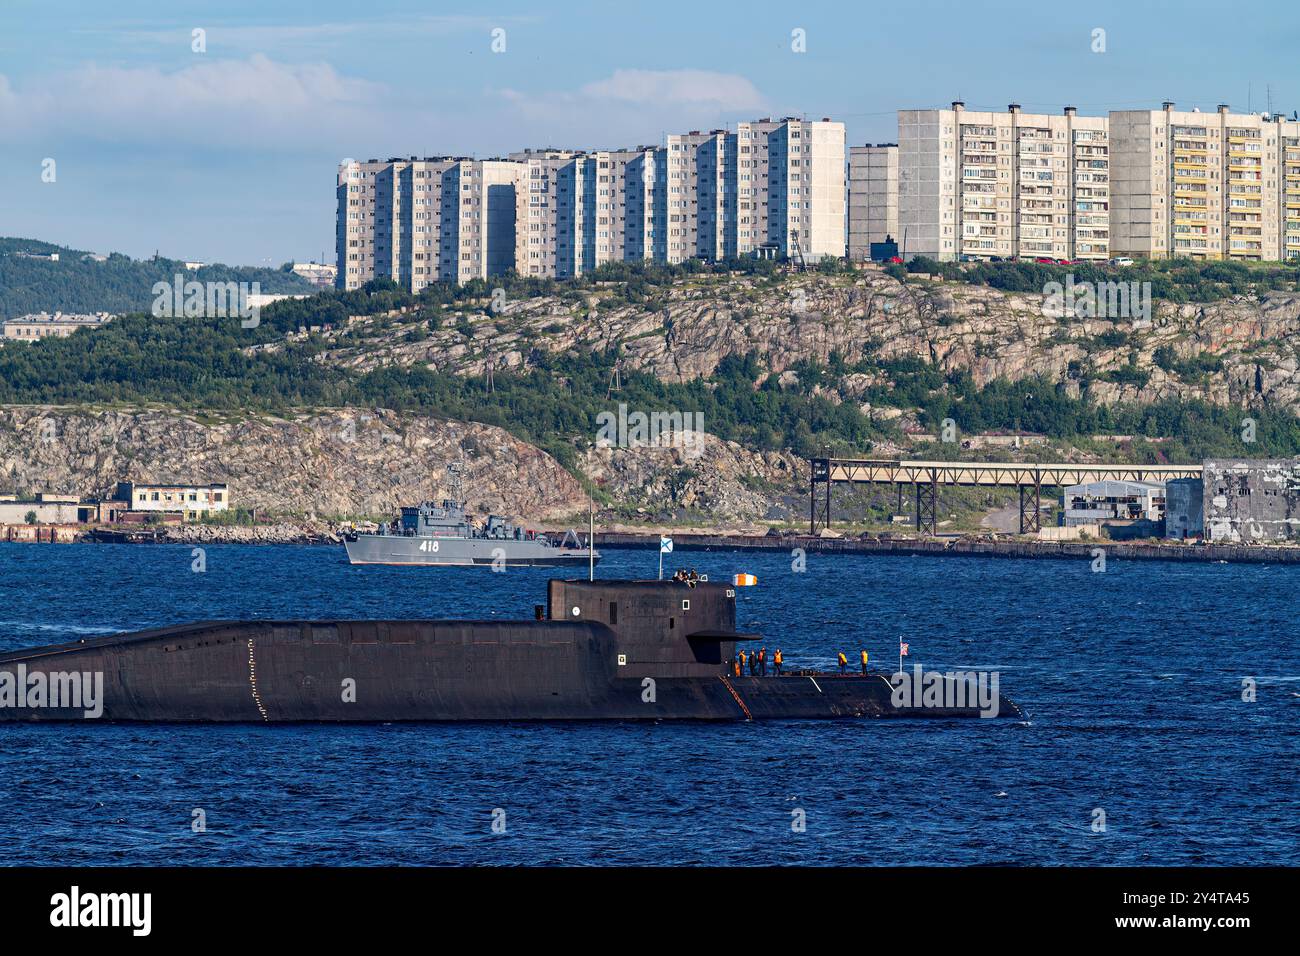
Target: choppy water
x,y
1132,678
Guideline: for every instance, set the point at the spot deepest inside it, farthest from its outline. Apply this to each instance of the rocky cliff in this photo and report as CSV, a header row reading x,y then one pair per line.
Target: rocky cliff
x,y
337,462
356,461
990,334
353,462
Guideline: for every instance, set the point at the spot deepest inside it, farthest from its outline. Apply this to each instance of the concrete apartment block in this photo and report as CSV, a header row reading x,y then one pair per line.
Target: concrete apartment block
x,y
775,188
1288,189
355,224
639,204
1205,185
753,167
927,183
981,185
697,195
873,197
817,187
545,244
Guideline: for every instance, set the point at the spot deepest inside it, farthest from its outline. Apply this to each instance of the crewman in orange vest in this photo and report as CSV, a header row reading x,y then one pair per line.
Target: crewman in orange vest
x,y
735,666
844,663
776,662
742,664
864,663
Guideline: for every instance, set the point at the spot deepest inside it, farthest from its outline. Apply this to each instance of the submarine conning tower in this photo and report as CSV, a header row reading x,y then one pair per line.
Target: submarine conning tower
x,y
661,628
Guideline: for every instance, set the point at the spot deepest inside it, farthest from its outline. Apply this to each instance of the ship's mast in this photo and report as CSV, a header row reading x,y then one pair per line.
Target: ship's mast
x,y
455,473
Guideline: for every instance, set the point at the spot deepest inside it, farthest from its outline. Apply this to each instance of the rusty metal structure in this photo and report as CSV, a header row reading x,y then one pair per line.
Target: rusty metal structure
x,y
1030,478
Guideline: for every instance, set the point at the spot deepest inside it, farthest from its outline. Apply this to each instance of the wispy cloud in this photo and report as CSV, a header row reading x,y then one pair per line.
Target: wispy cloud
x,y
703,88
317,37
633,105
218,102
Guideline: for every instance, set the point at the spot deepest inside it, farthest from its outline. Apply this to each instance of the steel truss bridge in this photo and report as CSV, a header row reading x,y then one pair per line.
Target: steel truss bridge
x,y
926,477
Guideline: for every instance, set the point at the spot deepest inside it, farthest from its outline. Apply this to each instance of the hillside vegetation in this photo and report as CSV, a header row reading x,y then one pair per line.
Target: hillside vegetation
x,y
828,388
119,284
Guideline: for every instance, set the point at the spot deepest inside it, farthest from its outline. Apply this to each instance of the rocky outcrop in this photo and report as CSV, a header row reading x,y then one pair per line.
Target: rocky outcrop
x,y
983,331
339,462
708,478
353,462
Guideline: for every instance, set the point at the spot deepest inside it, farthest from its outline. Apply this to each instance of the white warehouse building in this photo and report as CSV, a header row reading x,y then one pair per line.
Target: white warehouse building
x,y
1098,502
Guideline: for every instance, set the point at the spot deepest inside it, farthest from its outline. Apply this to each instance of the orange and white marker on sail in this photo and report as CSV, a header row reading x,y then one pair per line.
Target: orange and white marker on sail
x,y
744,580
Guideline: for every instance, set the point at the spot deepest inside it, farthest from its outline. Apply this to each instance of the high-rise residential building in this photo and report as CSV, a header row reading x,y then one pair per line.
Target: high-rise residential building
x,y
773,188
548,211
1289,189
637,210
1219,185
980,185
873,197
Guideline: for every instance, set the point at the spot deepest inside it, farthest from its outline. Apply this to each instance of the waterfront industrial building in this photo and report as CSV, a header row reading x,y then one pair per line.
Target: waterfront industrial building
x,y
187,500
1138,503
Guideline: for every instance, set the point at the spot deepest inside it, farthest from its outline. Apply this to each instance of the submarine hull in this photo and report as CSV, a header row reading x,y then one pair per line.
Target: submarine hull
x,y
638,651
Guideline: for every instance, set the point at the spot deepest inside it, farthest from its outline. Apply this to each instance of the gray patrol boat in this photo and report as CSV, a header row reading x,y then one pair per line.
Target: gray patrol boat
x,y
442,534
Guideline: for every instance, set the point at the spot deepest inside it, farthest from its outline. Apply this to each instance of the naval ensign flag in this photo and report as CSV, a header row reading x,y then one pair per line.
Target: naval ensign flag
x,y
665,547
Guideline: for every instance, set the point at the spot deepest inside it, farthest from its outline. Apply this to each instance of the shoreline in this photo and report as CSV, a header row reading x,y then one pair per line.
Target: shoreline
x,y
954,546
970,547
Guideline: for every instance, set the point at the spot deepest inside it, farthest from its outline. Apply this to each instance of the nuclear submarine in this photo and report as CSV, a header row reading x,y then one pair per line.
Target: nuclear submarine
x,y
598,650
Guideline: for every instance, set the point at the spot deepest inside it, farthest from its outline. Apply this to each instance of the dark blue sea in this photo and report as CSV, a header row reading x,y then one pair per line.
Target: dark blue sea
x,y
1132,679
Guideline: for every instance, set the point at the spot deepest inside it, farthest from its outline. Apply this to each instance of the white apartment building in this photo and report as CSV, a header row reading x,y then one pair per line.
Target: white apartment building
x,y
1218,185
873,197
775,188
981,185
39,325
174,498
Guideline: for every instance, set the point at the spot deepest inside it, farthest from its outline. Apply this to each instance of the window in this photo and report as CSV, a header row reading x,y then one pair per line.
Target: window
x,y
613,612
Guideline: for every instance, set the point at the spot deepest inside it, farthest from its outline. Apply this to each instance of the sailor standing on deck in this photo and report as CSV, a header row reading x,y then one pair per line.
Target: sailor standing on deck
x,y
741,672
864,663
844,662
776,663
762,662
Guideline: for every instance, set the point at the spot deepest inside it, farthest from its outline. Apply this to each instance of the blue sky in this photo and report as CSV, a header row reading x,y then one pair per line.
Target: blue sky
x,y
230,154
